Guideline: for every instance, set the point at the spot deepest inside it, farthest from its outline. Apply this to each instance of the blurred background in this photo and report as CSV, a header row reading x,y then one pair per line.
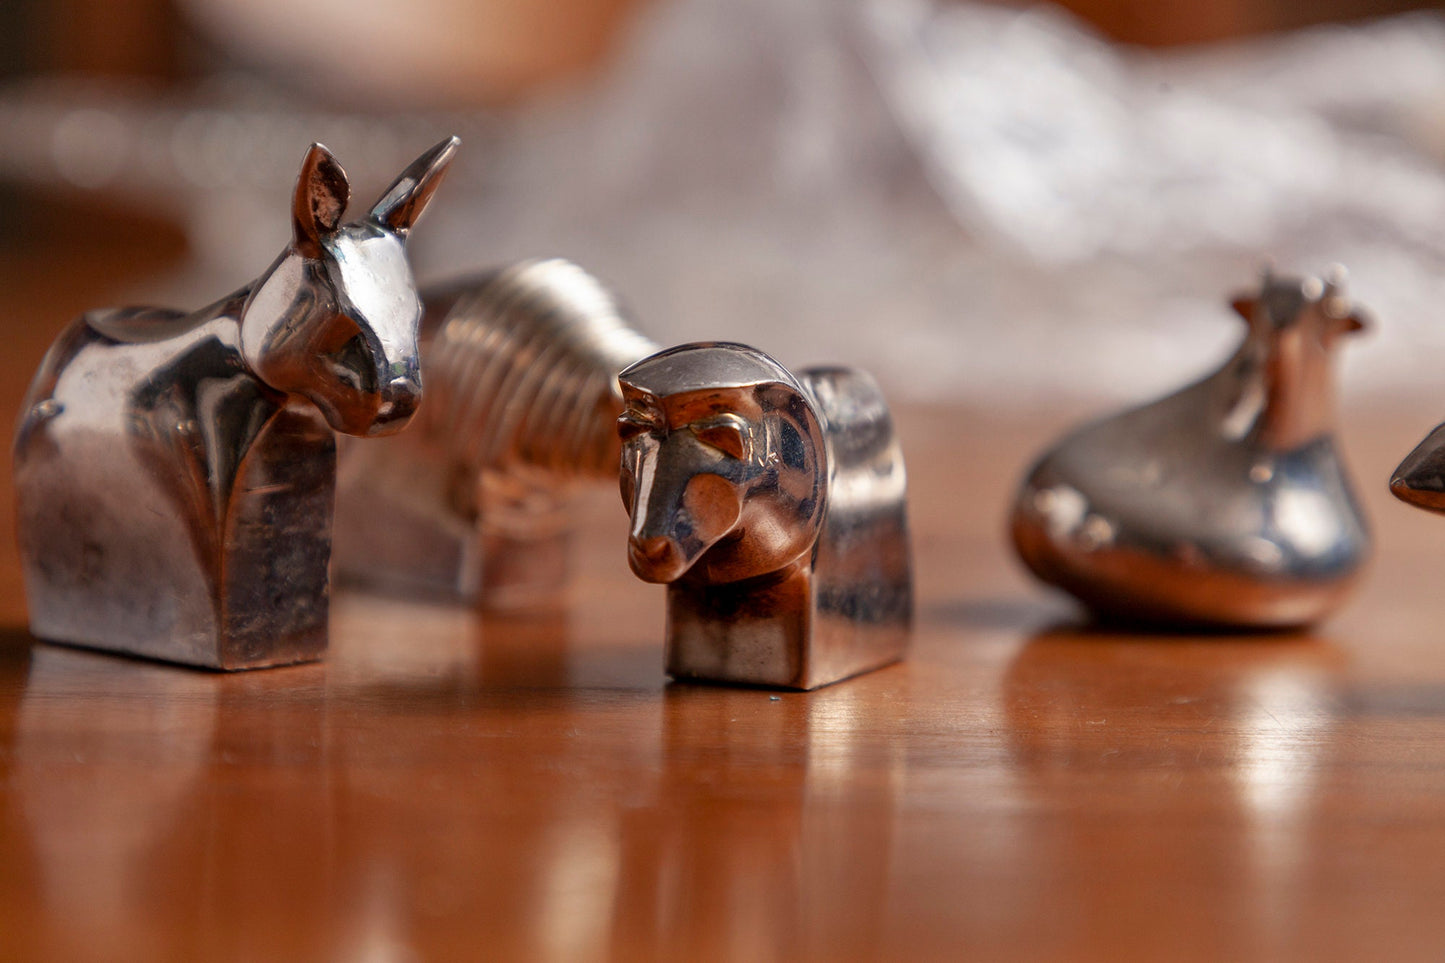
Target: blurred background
x,y
1004,205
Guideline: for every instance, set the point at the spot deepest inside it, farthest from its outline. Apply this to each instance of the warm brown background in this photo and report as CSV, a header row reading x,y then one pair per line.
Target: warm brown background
x,y
146,37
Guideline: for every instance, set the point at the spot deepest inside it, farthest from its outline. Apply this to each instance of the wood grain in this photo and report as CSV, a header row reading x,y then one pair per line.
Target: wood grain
x,y
1024,787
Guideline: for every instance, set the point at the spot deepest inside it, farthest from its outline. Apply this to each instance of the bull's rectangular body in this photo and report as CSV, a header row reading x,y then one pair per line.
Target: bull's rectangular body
x,y
760,465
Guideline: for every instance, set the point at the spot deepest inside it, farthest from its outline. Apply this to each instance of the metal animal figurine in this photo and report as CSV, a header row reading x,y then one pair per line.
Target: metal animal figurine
x,y
174,471
774,509
1224,505
1420,478
475,502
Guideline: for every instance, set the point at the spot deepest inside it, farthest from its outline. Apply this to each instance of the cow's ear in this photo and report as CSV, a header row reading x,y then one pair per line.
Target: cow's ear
x,y
1244,306
727,434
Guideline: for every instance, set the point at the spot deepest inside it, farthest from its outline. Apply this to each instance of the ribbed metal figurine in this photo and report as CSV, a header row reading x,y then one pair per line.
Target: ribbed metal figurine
x,y
522,402
774,508
174,471
1226,504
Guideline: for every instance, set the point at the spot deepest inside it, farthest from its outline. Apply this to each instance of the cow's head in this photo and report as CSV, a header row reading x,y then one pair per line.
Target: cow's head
x,y
1314,310
724,465
1298,322
1295,325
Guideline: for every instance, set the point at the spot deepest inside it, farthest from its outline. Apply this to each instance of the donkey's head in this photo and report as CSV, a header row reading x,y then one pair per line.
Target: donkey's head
x,y
724,466
335,318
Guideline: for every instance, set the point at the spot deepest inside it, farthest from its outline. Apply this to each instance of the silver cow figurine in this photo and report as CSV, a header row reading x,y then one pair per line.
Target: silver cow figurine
x,y
174,471
774,509
1224,505
476,502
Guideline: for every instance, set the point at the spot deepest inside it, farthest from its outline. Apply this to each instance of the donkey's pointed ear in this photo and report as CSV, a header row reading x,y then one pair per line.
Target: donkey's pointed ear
x,y
1244,306
321,195
404,200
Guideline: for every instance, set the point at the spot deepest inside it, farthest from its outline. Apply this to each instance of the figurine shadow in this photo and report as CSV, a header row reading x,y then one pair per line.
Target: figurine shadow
x,y
1120,627
1030,613
1169,681
15,645
990,612
533,659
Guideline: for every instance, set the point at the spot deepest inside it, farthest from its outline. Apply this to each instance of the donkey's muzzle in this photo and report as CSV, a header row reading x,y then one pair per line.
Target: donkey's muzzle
x,y
399,402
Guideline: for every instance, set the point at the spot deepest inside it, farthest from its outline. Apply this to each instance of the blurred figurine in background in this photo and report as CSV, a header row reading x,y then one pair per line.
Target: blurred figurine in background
x,y
1420,478
773,508
174,472
522,402
1226,504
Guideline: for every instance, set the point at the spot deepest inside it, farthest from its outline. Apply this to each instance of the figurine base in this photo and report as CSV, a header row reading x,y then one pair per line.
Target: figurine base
x,y
780,633
1132,586
193,652
151,581
396,532
392,534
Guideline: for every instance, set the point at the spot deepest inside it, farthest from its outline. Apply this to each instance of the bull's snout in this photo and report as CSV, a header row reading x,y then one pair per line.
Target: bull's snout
x,y
657,559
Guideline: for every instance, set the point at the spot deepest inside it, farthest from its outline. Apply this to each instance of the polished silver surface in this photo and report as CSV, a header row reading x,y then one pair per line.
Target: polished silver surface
x,y
1420,478
174,471
522,402
773,508
1226,504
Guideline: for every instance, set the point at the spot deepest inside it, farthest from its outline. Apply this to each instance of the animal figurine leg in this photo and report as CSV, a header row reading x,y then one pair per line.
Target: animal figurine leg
x,y
774,509
175,471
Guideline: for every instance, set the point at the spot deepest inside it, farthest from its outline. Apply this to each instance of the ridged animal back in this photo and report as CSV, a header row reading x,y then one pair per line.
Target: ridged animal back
x,y
522,374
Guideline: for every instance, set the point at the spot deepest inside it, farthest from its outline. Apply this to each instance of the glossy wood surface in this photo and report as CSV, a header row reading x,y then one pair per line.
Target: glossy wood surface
x,y
1022,788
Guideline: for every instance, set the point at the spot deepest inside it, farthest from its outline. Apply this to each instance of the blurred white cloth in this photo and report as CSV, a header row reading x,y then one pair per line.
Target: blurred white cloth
x,y
984,203
978,203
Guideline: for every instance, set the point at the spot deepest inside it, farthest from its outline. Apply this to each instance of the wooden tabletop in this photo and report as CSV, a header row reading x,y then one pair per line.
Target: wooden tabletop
x,y
449,786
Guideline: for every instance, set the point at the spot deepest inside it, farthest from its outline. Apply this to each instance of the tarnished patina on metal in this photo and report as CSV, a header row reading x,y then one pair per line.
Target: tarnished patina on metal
x,y
1226,504
475,502
774,508
174,471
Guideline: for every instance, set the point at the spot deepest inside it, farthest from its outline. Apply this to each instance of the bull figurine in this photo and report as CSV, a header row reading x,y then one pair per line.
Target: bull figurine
x,y
174,471
773,507
1226,504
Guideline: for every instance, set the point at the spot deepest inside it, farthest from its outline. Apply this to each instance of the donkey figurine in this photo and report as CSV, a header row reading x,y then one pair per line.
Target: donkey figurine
x,y
774,509
174,472
1226,504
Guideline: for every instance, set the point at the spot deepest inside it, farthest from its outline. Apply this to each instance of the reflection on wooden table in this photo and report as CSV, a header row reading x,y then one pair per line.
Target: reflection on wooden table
x,y
453,786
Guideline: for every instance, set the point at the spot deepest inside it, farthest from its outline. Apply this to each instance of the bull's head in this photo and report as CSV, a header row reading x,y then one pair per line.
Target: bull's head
x,y
723,464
